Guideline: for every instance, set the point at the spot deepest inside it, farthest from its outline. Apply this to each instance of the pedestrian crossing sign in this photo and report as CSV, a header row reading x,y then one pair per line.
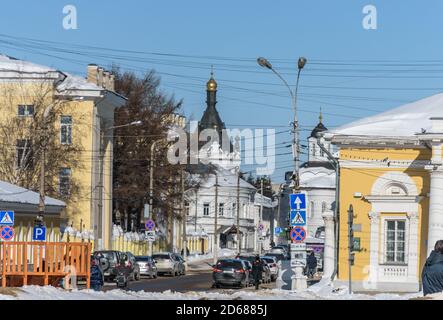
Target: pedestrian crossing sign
x,y
298,218
7,218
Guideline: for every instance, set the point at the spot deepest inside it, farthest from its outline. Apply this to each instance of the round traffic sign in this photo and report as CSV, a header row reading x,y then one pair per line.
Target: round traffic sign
x,y
261,226
7,233
298,234
150,225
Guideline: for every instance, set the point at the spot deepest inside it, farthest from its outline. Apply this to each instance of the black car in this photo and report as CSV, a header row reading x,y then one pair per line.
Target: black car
x,y
266,275
233,272
112,259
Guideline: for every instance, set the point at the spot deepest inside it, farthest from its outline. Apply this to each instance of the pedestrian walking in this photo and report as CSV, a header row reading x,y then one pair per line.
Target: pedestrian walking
x,y
97,280
257,271
432,275
311,264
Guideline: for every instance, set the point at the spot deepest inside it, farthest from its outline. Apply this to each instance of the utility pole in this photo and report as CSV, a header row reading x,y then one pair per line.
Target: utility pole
x,y
215,253
41,204
351,243
238,211
184,246
260,244
98,228
196,210
151,187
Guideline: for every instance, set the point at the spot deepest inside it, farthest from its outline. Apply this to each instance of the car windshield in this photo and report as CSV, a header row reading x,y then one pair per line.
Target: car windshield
x,y
108,255
268,260
146,259
161,256
229,264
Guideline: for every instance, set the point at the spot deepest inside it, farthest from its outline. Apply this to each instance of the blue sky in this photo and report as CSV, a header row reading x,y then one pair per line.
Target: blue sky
x,y
351,72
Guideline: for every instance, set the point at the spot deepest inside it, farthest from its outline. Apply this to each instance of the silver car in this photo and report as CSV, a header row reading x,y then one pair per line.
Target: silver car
x,y
168,263
273,266
147,266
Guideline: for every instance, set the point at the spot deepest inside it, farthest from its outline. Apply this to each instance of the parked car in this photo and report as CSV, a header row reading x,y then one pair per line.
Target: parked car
x,y
279,249
147,266
278,256
181,263
266,276
167,263
233,272
134,268
273,266
249,269
109,264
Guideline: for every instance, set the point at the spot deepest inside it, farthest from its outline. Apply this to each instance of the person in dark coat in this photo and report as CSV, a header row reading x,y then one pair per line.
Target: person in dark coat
x,y
432,275
311,264
96,275
257,271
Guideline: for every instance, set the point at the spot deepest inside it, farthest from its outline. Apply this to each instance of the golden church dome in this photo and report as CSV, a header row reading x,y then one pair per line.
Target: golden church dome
x,y
211,85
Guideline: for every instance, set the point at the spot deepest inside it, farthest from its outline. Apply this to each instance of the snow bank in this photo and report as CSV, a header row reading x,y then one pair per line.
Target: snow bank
x,y
326,293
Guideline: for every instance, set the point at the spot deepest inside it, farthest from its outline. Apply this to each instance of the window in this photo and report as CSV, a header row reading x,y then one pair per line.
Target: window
x,y
187,208
323,207
66,129
206,209
24,153
395,241
65,181
234,209
25,110
221,208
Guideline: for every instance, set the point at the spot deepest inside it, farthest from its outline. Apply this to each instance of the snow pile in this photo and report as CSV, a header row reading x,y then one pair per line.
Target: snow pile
x,y
222,253
325,293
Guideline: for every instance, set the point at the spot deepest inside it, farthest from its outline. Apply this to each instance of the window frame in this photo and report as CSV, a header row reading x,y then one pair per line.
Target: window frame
x,y
221,209
26,113
206,209
384,242
68,127
68,193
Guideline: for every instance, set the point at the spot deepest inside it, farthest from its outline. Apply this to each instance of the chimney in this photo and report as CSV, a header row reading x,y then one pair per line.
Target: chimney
x,y
92,73
106,78
100,77
112,82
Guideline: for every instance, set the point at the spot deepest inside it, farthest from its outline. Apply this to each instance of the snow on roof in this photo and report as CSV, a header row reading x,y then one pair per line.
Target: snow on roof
x,y
317,177
73,82
225,179
8,63
403,121
261,199
15,194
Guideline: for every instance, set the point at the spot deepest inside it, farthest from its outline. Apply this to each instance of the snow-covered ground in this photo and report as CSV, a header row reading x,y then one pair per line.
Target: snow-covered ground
x,y
323,293
222,253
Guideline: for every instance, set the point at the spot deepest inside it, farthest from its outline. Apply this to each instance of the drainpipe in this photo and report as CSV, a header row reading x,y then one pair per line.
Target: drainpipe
x,y
336,165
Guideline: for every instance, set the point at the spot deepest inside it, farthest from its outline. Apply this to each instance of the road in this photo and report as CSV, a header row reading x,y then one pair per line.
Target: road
x,y
198,281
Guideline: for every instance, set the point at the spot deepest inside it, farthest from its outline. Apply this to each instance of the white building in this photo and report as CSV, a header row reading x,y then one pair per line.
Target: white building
x,y
201,207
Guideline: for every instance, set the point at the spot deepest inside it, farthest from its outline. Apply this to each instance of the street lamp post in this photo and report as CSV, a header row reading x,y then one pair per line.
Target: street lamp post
x,y
296,143
298,281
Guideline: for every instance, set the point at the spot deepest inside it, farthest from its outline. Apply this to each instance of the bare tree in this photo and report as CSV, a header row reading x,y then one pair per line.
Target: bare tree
x,y
30,122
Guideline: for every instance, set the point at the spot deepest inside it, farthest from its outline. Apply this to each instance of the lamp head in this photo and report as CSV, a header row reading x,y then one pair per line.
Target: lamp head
x,y
262,62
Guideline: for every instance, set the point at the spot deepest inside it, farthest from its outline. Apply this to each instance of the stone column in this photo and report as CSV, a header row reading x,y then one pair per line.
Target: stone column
x,y
374,248
413,247
329,251
435,230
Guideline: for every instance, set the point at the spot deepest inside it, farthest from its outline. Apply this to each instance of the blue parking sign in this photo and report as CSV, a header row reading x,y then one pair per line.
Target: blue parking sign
x,y
39,234
297,201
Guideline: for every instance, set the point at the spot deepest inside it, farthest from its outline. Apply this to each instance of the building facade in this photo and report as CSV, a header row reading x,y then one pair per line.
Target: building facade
x,y
80,113
390,168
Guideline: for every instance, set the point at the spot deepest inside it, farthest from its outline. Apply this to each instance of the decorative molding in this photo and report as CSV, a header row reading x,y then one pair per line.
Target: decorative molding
x,y
399,164
413,216
374,216
394,178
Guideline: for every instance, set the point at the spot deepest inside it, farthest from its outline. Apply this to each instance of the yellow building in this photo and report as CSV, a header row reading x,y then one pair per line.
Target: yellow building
x,y
391,173
78,115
